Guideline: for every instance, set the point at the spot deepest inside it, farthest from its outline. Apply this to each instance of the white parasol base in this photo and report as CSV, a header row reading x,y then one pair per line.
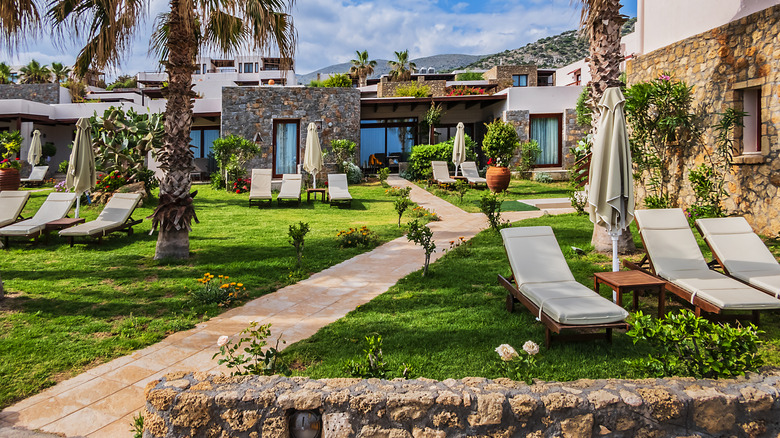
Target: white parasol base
x,y
615,260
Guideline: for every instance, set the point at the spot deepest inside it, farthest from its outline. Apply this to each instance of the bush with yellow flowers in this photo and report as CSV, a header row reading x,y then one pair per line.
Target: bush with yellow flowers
x,y
423,213
356,236
218,290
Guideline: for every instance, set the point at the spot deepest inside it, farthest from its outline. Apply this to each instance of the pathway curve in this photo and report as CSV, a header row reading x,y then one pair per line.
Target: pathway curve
x,y
102,401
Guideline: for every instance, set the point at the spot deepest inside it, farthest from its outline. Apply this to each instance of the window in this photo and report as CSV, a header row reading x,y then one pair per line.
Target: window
x,y
751,131
248,67
256,67
519,80
384,137
285,147
546,130
201,140
271,64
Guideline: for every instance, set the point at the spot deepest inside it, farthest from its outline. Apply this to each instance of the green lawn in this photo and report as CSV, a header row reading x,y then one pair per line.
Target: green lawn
x,y
518,189
67,309
448,325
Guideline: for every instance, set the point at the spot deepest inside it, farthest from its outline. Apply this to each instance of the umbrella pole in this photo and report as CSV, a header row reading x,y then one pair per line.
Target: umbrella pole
x,y
314,181
78,204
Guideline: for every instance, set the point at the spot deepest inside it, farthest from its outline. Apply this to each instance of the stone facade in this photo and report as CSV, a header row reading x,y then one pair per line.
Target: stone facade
x,y
572,133
200,404
42,93
521,120
502,75
719,64
250,112
387,88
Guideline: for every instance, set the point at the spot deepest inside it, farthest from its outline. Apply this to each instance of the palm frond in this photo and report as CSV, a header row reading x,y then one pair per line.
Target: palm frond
x,y
19,20
224,32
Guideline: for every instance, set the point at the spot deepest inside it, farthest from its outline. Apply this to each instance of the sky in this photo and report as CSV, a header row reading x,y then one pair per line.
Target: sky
x,y
330,31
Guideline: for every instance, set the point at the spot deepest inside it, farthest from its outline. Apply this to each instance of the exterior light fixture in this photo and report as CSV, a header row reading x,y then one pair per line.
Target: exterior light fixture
x,y
305,424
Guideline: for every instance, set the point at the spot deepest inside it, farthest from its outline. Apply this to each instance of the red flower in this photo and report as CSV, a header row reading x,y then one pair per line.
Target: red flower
x,y
490,162
17,158
238,191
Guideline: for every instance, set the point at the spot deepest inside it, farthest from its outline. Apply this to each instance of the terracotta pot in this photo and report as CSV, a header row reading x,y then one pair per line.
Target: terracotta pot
x,y
9,179
498,178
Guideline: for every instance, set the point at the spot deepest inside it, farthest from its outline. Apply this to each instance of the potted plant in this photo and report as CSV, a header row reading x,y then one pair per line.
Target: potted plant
x,y
10,144
499,145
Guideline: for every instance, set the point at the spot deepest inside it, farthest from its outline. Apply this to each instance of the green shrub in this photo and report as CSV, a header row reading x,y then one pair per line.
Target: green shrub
x,y
232,153
260,359
401,205
413,89
543,177
373,366
383,174
341,150
584,111
398,191
356,236
686,345
490,205
469,76
63,166
340,81
423,154
297,233
423,236
218,290
354,174
217,180
529,153
500,143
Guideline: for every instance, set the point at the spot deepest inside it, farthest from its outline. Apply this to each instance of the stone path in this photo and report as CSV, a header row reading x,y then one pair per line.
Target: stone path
x,y
102,401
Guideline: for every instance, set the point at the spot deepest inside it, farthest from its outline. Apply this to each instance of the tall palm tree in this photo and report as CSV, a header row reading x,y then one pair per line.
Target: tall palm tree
x,y
5,73
59,72
362,67
109,27
35,73
401,68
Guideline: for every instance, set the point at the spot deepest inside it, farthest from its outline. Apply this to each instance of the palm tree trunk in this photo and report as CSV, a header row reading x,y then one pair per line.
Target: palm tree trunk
x,y
175,212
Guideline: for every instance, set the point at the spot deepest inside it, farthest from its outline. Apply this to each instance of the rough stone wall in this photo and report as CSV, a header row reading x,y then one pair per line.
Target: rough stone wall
x,y
521,119
502,74
718,63
247,111
43,93
388,89
572,133
250,406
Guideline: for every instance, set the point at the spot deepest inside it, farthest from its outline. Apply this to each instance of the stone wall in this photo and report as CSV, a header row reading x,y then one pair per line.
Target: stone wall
x,y
249,112
42,93
502,75
521,120
387,88
718,64
572,133
210,405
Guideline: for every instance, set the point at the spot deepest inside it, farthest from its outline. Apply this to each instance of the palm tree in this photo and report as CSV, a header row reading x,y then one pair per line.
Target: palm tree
x,y
109,27
362,67
35,73
5,73
402,67
19,19
59,71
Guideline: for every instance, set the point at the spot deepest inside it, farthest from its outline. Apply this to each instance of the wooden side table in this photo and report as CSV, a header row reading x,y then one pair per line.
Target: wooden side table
x,y
61,224
636,281
315,191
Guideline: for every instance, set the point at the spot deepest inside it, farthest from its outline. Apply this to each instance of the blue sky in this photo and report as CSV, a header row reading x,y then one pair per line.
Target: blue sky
x,y
330,31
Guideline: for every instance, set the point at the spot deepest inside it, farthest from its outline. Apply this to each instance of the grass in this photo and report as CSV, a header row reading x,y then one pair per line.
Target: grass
x,y
518,189
68,309
448,325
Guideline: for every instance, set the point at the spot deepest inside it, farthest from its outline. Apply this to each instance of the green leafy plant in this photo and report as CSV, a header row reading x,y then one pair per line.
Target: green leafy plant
x,y
517,366
296,234
431,119
423,236
232,153
342,151
10,145
500,143
353,237
401,205
413,89
543,177
422,155
217,180
469,76
460,187
383,174
460,246
685,345
583,108
137,425
260,359
374,365
398,191
354,174
420,212
218,290
110,182
341,80
529,153
490,205
63,166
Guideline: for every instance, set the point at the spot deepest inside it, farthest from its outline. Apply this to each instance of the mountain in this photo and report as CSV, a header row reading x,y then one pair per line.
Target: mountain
x,y
438,62
551,52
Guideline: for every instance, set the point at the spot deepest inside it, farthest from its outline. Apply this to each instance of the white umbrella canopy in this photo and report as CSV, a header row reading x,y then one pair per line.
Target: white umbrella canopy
x,y
611,194
312,156
459,147
81,167
36,150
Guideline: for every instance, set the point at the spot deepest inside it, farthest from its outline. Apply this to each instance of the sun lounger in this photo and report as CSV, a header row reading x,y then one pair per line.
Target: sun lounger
x,y
674,255
546,286
291,188
116,216
12,203
36,177
441,173
741,253
55,207
338,190
260,190
469,169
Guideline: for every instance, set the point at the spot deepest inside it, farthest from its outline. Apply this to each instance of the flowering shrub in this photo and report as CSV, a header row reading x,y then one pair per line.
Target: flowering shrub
x,y
10,145
516,366
459,246
424,213
356,236
258,360
110,182
700,211
60,187
218,290
398,191
241,185
466,91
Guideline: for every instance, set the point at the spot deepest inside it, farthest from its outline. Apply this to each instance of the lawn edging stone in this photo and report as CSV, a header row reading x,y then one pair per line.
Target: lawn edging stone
x,y
200,404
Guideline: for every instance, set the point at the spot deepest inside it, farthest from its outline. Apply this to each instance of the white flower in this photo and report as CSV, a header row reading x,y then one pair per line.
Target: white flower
x,y
531,348
506,352
222,341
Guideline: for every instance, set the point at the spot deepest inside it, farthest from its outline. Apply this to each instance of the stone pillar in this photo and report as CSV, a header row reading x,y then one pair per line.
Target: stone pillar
x,y
520,119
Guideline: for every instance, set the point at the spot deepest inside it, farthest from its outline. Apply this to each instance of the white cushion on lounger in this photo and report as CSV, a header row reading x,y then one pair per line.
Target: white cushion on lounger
x,y
291,186
569,302
471,173
441,173
117,210
260,188
11,205
338,190
55,207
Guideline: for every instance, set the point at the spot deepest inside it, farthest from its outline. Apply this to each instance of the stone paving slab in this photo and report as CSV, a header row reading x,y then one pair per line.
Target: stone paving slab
x,y
101,402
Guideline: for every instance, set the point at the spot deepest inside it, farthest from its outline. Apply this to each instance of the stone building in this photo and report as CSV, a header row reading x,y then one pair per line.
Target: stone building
x,y
731,66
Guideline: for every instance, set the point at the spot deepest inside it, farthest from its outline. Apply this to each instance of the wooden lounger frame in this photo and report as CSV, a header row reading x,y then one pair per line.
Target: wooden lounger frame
x,y
127,227
279,200
260,201
342,201
646,265
551,325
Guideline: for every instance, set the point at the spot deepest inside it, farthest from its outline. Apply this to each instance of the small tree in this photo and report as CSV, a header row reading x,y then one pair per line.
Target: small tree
x,y
500,143
529,153
423,236
401,205
233,152
490,205
297,233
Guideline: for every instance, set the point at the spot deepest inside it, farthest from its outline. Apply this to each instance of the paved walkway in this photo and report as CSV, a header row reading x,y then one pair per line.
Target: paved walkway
x,y
102,401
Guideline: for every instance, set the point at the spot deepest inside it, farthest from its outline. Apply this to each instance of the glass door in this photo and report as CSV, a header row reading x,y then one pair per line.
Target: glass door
x,y
285,147
546,130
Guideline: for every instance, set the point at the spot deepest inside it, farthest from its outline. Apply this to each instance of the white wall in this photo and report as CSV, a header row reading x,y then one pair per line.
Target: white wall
x,y
542,100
